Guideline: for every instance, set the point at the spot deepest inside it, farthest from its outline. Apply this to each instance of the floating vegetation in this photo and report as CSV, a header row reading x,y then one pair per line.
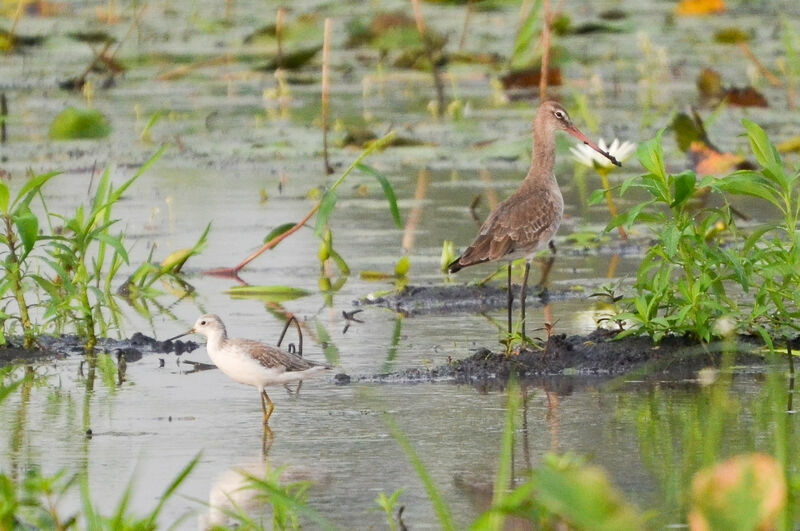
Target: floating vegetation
x,y
74,124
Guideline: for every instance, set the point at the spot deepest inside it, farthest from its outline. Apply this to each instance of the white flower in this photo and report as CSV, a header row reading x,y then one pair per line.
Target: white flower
x,y
591,158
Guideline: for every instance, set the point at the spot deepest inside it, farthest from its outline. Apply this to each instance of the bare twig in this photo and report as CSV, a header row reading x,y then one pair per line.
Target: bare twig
x,y
415,215
545,51
3,118
428,48
326,47
279,35
774,81
185,69
464,29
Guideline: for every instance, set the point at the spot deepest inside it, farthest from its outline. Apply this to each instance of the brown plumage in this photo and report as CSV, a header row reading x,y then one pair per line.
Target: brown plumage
x,y
526,222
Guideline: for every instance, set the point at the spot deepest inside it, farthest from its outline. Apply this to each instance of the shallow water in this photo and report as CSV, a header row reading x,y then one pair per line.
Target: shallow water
x,y
229,141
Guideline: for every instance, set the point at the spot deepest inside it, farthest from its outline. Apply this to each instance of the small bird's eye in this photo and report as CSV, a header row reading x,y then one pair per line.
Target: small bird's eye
x,y
202,323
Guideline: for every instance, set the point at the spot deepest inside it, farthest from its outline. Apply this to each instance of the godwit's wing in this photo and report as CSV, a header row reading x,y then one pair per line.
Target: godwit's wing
x,y
519,226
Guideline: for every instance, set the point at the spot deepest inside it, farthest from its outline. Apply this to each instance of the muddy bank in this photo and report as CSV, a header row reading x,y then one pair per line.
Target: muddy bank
x,y
133,348
419,300
596,354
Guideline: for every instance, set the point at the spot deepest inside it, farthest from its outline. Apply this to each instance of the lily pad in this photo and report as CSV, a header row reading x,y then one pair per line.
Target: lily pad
x,y
73,123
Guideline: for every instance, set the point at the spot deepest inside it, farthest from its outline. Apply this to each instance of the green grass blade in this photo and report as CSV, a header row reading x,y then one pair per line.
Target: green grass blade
x,y
388,191
504,472
182,475
439,505
277,495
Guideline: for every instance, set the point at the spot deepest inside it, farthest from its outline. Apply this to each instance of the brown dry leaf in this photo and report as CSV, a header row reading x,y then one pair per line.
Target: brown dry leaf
x,y
700,7
529,79
745,97
109,16
707,161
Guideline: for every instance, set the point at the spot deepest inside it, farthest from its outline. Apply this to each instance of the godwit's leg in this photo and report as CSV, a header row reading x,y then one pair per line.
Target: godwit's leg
x,y
266,406
548,265
523,294
510,299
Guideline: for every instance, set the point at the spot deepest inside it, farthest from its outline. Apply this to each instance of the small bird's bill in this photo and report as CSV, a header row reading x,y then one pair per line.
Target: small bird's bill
x,y
181,335
580,136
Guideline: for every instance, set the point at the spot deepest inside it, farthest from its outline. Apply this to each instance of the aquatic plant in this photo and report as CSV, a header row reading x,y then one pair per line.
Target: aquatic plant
x,y
701,263
69,264
324,208
19,234
86,258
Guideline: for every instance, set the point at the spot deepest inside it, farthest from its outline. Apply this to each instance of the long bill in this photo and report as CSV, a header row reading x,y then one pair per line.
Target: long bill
x,y
574,131
180,335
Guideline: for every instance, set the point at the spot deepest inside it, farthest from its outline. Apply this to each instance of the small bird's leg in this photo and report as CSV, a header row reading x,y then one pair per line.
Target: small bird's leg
x,y
510,300
299,385
523,295
266,441
266,406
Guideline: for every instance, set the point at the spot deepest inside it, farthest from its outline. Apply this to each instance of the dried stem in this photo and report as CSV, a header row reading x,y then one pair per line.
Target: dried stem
x,y
186,69
428,47
464,29
545,51
415,215
279,35
3,118
774,81
326,48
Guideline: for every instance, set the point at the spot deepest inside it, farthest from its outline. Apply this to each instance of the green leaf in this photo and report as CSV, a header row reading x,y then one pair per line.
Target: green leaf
x,y
277,231
116,243
582,495
628,218
4,195
651,156
328,346
32,187
597,197
73,123
326,206
755,237
746,182
101,194
28,227
267,293
526,39
765,152
670,237
388,191
684,184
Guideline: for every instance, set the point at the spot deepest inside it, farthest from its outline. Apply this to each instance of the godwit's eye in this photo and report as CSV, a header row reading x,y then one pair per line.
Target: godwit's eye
x,y
561,115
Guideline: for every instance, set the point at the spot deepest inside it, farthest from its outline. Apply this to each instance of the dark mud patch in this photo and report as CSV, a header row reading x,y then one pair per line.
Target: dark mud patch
x,y
419,300
593,355
133,348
